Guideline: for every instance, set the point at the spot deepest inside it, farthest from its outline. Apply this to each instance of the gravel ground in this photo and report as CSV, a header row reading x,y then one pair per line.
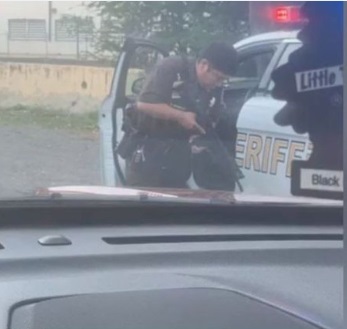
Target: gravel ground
x,y
34,157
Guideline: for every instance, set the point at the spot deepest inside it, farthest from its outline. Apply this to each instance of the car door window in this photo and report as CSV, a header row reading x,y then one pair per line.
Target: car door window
x,y
289,49
254,66
245,82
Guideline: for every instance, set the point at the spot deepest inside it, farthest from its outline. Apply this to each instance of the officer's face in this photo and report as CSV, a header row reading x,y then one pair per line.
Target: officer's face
x,y
208,76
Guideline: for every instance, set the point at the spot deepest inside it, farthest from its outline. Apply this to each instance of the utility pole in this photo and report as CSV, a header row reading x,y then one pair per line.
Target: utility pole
x,y
50,6
77,37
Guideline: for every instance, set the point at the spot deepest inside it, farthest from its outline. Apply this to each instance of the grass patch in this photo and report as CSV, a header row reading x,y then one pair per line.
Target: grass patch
x,y
51,119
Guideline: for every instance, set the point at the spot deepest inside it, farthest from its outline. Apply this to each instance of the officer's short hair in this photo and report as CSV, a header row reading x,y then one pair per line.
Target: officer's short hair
x,y
222,57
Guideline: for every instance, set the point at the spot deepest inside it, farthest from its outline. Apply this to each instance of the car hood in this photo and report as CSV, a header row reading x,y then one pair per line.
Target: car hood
x,y
174,195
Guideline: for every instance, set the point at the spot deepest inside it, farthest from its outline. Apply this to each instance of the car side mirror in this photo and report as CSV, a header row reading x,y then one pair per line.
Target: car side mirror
x,y
137,86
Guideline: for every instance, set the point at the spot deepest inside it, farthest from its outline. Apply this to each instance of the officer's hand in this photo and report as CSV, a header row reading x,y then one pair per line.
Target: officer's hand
x,y
188,121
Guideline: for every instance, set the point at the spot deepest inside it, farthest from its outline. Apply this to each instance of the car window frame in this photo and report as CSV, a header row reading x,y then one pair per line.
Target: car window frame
x,y
286,46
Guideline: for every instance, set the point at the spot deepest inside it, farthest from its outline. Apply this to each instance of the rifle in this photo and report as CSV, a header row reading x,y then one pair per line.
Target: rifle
x,y
214,161
221,164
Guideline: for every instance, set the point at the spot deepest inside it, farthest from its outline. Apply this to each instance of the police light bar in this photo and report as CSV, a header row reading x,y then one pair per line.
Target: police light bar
x,y
287,14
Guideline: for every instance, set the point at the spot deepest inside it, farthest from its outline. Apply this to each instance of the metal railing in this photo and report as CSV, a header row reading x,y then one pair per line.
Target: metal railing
x,y
81,48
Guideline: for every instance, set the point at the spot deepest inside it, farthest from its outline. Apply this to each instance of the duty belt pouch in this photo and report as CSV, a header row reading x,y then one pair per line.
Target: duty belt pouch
x,y
129,144
132,136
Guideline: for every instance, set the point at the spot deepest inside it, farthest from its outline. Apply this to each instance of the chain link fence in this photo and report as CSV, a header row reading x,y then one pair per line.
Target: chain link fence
x,y
81,48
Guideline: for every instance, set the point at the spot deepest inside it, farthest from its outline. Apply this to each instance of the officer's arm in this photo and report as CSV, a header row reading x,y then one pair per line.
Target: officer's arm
x,y
165,112
158,88
160,111
156,96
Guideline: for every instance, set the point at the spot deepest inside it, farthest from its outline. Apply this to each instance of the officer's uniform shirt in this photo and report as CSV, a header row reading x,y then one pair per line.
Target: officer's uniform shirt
x,y
158,89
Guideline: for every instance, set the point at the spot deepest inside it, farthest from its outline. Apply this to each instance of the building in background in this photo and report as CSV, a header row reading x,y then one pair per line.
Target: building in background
x,y
46,29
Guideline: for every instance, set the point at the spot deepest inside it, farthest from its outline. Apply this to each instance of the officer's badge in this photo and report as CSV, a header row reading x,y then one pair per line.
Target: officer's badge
x,y
177,84
212,101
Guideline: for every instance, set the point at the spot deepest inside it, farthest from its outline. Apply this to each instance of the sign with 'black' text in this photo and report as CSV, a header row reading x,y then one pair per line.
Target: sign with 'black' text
x,y
316,182
321,180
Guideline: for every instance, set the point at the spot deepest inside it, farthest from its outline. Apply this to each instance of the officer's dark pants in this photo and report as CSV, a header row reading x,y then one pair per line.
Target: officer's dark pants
x,y
134,178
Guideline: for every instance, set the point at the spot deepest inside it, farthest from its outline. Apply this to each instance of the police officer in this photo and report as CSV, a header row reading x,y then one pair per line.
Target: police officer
x,y
180,101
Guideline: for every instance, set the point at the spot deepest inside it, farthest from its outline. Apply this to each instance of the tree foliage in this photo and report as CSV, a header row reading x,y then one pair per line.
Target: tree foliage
x,y
75,25
179,25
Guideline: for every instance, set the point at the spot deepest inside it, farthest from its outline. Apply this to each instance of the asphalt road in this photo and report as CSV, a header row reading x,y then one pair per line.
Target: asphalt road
x,y
34,157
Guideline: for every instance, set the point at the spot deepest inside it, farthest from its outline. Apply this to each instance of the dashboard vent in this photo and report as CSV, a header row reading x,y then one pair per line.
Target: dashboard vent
x,y
219,238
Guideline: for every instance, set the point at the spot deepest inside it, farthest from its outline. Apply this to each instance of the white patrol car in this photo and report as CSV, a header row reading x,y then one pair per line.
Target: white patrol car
x,y
264,150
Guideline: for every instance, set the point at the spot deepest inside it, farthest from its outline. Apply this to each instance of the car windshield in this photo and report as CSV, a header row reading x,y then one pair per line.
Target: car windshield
x,y
172,101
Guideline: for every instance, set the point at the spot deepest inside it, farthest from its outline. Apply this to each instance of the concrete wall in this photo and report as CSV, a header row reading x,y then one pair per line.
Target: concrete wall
x,y
72,88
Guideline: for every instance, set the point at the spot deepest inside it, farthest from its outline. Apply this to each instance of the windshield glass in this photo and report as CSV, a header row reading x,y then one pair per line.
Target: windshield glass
x,y
192,100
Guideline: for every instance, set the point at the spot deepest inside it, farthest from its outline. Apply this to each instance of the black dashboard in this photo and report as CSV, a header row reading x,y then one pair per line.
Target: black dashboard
x,y
102,265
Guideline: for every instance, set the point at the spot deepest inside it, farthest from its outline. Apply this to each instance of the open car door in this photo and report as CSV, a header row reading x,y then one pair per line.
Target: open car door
x,y
136,60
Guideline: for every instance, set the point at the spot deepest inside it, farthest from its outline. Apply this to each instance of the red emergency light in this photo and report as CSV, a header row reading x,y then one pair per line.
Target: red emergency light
x,y
287,14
